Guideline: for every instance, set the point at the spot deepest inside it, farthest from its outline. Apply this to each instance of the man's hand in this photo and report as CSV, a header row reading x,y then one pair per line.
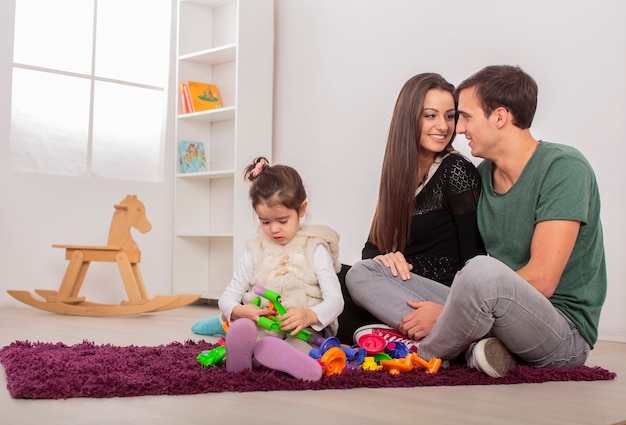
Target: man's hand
x,y
419,323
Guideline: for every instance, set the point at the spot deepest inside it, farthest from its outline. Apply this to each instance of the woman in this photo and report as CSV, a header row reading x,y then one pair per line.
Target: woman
x,y
424,228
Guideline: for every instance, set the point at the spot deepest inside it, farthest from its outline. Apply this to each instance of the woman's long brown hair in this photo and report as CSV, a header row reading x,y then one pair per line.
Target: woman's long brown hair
x,y
400,174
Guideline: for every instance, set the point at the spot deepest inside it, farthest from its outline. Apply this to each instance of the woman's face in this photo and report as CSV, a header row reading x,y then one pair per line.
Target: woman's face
x,y
437,121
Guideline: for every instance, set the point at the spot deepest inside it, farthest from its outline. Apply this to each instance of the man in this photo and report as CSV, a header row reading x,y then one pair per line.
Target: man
x,y
537,296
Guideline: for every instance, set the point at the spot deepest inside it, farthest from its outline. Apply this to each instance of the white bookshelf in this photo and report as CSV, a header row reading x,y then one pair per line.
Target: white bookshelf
x,y
229,43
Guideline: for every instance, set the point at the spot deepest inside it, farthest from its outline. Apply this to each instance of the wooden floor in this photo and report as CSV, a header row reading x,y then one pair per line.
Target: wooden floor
x,y
595,403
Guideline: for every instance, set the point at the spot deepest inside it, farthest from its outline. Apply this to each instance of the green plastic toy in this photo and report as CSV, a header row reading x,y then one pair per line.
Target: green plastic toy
x,y
213,357
272,323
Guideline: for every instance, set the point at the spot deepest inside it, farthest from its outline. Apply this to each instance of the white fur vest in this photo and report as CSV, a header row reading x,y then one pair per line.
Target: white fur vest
x,y
288,269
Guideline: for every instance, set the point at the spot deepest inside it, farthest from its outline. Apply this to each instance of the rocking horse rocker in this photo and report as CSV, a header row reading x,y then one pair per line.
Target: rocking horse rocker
x,y
121,249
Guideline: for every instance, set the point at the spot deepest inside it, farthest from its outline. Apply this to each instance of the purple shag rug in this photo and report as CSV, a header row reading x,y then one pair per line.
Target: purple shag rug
x,y
42,370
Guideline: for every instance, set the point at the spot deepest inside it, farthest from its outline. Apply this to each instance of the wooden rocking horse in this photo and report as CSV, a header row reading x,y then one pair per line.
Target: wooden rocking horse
x,y
121,249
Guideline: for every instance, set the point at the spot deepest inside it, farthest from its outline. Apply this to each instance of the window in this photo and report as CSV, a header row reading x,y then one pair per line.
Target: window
x,y
88,95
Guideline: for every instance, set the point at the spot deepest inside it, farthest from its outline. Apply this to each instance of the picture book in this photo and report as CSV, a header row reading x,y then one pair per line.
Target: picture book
x,y
192,157
185,101
203,96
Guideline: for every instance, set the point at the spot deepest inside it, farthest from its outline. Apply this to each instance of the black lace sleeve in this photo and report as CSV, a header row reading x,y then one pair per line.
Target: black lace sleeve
x,y
464,186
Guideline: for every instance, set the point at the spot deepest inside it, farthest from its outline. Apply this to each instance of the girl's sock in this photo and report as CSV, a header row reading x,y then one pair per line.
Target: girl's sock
x,y
275,353
240,341
209,326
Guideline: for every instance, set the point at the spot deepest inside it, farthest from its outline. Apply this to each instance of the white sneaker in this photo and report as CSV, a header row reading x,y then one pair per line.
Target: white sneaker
x,y
384,332
490,356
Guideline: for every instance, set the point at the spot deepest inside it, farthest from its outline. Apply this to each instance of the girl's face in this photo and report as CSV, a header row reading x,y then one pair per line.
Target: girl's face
x,y
437,121
279,222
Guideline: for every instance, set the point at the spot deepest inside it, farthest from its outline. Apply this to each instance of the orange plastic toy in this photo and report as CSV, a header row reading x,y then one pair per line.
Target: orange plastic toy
x,y
410,362
333,361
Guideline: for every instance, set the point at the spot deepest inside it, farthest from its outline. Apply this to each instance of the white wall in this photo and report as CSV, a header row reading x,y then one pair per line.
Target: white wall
x,y
339,67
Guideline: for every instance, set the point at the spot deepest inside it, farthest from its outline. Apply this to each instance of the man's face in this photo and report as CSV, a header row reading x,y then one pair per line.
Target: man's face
x,y
472,123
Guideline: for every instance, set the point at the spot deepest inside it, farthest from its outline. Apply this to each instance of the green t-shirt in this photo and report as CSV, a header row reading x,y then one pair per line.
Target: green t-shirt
x,y
557,183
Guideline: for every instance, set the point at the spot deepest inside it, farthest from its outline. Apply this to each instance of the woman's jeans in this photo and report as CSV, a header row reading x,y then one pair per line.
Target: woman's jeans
x,y
487,298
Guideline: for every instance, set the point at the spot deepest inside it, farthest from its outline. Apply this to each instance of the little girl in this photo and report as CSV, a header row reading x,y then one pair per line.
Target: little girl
x,y
298,261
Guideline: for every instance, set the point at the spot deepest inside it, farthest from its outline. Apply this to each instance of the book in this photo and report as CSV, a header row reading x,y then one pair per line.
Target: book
x,y
203,96
185,101
192,157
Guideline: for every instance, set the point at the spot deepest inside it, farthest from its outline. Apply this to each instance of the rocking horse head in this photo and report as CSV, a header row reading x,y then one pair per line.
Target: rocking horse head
x,y
129,213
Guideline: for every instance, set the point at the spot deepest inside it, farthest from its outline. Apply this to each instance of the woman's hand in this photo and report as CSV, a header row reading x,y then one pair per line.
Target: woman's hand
x,y
396,263
419,323
297,319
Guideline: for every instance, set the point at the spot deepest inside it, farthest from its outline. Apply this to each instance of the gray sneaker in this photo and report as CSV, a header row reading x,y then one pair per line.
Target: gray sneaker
x,y
490,356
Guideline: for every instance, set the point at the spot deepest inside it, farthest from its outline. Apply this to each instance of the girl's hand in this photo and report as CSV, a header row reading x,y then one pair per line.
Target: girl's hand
x,y
249,311
297,319
419,323
397,264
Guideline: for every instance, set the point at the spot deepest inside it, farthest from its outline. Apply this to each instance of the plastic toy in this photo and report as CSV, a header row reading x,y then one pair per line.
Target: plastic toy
x,y
431,366
274,297
397,349
369,363
213,357
331,354
354,355
272,323
411,361
395,356
382,356
397,366
333,361
372,343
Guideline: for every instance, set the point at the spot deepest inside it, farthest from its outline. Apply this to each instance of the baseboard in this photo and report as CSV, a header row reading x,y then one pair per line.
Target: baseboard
x,y
612,337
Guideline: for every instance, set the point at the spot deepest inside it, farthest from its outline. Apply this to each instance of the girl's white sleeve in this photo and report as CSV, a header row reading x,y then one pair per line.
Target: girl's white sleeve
x,y
239,285
332,300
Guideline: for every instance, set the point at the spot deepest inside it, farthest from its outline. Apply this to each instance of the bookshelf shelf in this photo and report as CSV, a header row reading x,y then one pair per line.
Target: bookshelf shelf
x,y
220,114
207,175
229,43
213,56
